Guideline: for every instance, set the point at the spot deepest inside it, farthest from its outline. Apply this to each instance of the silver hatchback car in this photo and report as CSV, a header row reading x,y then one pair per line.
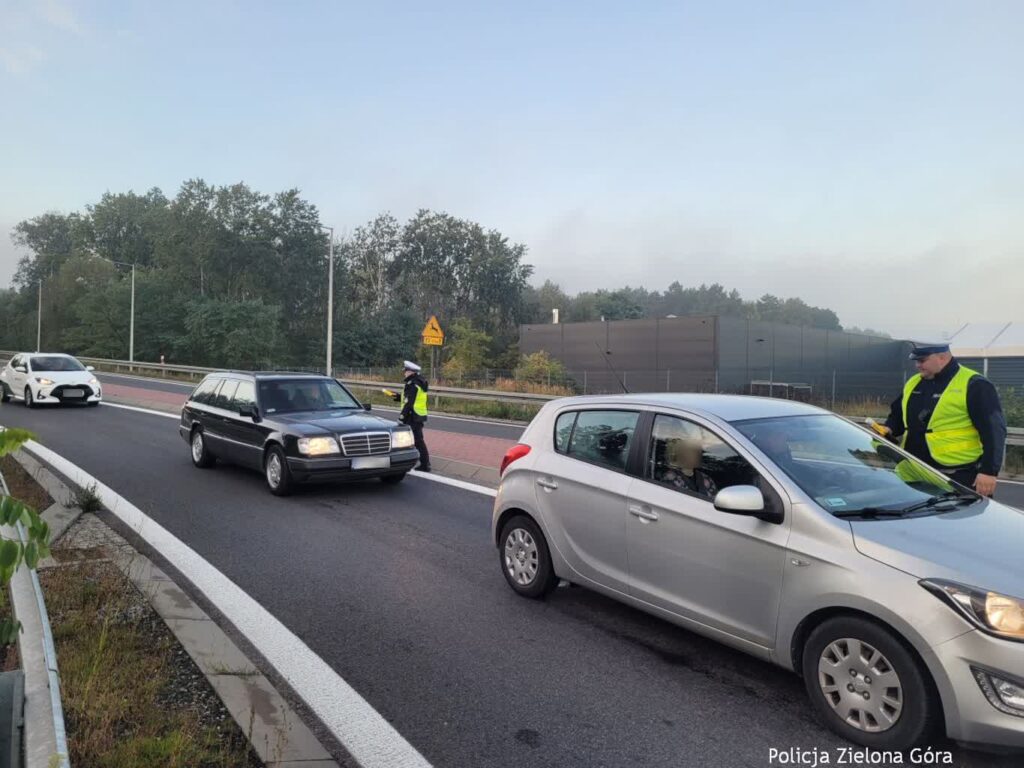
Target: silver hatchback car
x,y
792,534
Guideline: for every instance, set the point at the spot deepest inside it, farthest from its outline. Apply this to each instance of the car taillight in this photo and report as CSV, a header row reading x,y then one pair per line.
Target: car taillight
x,y
512,454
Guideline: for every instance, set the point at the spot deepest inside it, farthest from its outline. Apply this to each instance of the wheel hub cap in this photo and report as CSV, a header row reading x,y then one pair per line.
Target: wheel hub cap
x,y
860,685
522,557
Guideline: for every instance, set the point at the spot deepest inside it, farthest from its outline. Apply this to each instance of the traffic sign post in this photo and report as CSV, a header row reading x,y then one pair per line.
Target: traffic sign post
x,y
433,337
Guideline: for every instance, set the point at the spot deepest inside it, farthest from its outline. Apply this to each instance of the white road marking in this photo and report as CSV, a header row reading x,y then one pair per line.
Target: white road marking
x,y
371,740
466,486
151,412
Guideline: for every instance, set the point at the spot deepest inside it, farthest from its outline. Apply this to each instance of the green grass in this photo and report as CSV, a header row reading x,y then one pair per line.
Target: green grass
x,y
118,679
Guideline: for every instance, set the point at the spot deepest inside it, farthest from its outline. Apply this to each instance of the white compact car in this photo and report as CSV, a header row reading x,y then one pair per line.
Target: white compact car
x,y
38,378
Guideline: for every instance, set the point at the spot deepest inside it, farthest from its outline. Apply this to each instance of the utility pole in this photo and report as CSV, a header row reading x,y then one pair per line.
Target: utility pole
x,y
330,304
39,319
131,332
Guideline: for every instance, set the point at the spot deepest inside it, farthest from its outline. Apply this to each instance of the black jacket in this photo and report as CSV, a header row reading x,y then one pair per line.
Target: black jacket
x,y
983,407
408,415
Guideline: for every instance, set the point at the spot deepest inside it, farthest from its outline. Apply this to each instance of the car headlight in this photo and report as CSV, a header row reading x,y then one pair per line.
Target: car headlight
x,y
44,382
318,446
94,382
402,438
997,614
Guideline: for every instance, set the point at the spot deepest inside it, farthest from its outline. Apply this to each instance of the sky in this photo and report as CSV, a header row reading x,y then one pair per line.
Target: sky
x,y
863,156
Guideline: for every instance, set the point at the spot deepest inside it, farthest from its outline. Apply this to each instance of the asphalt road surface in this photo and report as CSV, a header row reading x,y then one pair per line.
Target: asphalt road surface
x,y
461,425
399,590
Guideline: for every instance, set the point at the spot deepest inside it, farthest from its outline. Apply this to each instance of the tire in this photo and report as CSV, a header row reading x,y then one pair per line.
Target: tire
x,y
276,472
839,659
525,558
93,404
29,400
5,394
202,457
393,479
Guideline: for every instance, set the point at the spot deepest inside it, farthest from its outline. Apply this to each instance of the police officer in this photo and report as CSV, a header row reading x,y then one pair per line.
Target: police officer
x,y
950,417
413,400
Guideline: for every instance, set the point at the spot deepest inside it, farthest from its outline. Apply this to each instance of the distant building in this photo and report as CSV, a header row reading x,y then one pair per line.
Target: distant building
x,y
715,353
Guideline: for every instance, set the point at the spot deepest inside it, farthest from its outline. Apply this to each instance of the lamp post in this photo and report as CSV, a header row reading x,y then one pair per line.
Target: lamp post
x,y
330,303
39,319
131,325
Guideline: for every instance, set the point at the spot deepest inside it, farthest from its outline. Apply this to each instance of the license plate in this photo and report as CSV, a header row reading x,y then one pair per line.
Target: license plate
x,y
371,462
74,393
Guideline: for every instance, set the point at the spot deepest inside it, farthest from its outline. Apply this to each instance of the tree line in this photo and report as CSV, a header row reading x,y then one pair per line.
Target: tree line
x,y
228,276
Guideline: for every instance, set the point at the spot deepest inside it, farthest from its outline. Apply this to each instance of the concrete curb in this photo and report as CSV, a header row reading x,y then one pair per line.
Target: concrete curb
x,y
276,733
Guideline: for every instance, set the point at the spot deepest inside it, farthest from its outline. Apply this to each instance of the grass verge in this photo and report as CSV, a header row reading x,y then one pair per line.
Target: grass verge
x,y
132,697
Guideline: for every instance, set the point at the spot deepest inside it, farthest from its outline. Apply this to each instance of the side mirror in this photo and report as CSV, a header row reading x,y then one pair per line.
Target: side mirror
x,y
21,369
746,500
250,411
367,406
90,367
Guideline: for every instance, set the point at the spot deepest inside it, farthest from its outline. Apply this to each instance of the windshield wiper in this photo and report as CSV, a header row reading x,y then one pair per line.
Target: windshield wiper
x,y
934,501
942,498
871,512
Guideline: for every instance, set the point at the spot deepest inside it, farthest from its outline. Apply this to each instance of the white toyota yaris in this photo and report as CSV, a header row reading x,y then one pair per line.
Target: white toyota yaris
x,y
37,378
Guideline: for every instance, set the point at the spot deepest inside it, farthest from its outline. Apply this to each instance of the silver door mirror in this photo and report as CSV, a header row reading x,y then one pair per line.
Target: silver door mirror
x,y
748,500
740,500
21,369
90,367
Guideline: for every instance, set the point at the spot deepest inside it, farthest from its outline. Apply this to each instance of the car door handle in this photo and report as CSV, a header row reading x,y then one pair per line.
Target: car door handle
x,y
547,485
644,513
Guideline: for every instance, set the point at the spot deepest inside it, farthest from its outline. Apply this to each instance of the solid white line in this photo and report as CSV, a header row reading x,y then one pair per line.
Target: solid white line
x,y
371,740
466,486
481,489
151,412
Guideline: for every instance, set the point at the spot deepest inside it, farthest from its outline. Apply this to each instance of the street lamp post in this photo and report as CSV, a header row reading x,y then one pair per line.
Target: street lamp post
x,y
39,319
131,326
330,304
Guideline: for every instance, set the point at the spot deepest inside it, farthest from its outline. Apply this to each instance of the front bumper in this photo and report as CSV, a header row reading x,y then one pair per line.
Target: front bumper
x,y
59,394
339,468
970,717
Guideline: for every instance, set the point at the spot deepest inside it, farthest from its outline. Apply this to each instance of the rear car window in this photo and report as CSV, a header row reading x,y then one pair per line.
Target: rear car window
x,y
225,394
603,437
205,391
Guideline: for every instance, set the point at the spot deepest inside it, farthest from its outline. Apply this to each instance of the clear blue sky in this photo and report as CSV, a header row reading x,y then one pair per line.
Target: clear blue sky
x,y
867,156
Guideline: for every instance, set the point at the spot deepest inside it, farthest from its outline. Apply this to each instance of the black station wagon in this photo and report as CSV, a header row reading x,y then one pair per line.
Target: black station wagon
x,y
293,427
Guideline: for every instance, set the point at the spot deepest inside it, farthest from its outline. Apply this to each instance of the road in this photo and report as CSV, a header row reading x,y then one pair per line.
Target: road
x,y
456,424
399,590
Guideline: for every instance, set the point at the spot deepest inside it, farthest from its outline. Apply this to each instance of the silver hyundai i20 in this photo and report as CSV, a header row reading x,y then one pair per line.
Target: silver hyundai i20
x,y
792,534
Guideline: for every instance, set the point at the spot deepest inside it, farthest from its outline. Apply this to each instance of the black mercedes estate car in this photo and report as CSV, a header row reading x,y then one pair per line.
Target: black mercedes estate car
x,y
294,428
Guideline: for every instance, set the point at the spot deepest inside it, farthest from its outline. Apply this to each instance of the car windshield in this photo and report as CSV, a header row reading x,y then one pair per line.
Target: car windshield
x,y
51,364
293,395
850,472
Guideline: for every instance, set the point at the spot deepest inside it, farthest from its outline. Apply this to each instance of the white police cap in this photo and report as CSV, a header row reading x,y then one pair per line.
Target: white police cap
x,y
411,366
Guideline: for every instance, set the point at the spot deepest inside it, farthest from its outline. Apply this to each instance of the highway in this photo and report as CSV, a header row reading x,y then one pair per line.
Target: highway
x,y
398,589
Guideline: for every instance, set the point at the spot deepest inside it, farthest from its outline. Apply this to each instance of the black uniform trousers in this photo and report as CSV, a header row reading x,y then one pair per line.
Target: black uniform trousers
x,y
421,445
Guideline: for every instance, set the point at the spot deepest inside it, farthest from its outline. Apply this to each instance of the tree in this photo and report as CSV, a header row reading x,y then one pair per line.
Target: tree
x,y
466,349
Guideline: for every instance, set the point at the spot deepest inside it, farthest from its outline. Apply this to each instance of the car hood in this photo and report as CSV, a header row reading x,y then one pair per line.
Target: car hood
x,y
314,422
978,545
64,377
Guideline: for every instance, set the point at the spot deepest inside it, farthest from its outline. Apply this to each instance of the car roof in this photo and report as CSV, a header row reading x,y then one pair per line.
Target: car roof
x,y
725,407
271,375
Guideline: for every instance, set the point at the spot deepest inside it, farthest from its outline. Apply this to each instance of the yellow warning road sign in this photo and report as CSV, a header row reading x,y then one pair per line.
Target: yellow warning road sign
x,y
433,336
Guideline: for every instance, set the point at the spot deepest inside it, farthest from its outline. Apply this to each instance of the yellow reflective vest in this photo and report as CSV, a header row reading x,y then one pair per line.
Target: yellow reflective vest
x,y
952,438
419,404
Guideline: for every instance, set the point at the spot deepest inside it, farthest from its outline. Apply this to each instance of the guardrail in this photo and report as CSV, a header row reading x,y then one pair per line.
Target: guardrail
x,y
1015,435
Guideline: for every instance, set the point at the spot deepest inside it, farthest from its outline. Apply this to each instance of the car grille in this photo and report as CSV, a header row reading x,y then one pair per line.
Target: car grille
x,y
365,443
85,389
